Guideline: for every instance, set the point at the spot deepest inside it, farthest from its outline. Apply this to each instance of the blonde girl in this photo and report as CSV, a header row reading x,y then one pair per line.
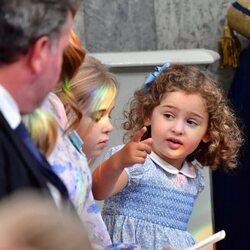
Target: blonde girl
x,y
82,105
94,91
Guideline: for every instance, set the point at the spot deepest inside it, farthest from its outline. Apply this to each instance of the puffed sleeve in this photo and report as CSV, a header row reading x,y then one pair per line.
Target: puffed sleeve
x,y
112,151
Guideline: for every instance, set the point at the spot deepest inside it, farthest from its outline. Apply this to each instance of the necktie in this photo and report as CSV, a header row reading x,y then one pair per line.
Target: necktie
x,y
45,168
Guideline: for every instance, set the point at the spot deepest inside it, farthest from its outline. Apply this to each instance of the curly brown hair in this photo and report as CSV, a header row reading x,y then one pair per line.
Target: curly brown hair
x,y
223,130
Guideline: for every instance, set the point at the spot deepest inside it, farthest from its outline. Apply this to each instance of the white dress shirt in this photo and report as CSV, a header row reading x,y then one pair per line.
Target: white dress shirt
x,y
9,108
11,113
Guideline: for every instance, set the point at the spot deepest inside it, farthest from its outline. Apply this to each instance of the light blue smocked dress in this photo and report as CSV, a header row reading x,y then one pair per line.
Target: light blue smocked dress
x,y
70,164
154,208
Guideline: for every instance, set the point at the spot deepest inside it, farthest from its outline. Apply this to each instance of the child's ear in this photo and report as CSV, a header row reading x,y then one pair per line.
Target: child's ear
x,y
206,138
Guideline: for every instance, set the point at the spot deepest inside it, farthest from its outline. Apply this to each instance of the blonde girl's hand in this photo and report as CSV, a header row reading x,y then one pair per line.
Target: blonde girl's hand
x,y
136,151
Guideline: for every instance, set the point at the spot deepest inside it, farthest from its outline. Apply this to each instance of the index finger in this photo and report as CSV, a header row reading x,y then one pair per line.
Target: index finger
x,y
138,135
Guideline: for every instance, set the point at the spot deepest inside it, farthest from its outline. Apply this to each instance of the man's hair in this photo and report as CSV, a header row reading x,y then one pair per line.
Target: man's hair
x,y
22,22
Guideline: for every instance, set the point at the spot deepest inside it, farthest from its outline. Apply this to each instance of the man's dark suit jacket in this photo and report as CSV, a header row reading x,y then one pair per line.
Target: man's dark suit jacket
x,y
19,169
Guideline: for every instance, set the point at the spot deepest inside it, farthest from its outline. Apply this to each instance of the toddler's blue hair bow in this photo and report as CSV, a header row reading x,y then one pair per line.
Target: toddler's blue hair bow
x,y
150,79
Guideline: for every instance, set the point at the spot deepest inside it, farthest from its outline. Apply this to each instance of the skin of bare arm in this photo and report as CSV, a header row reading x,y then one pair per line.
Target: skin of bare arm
x,y
110,177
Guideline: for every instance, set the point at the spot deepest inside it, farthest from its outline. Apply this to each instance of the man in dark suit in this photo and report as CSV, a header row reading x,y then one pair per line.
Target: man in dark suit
x,y
33,36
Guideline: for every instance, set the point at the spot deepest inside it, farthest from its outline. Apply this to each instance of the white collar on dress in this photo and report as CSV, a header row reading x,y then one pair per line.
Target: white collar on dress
x,y
188,171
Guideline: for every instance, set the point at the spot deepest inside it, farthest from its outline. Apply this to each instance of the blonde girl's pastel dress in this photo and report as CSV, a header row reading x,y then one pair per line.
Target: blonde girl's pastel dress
x,y
70,163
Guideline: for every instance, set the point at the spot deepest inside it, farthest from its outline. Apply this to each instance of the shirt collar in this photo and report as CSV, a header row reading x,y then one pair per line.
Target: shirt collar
x,y
76,140
9,108
187,170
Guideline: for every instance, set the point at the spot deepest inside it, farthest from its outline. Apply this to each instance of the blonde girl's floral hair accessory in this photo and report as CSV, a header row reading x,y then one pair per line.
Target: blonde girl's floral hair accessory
x,y
152,76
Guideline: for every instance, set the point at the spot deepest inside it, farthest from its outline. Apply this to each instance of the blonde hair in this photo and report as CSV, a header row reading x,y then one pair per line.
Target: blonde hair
x,y
43,129
223,131
92,84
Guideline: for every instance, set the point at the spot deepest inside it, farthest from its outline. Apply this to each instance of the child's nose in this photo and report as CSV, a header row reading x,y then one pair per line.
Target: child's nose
x,y
107,128
178,127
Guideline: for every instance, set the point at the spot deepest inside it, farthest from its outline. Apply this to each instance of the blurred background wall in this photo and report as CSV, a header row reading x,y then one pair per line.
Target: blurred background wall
x,y
135,25
118,25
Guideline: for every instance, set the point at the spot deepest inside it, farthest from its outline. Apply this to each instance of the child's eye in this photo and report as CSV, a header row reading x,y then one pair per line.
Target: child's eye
x,y
169,116
97,119
96,116
110,114
192,123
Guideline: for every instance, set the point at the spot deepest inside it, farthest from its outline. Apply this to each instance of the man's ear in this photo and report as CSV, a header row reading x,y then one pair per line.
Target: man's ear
x,y
206,138
38,54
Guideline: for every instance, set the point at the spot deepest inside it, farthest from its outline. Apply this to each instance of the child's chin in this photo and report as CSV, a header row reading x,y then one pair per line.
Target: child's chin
x,y
102,145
